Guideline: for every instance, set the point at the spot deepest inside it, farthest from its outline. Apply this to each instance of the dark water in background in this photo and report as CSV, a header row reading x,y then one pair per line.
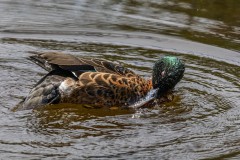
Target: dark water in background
x,y
204,120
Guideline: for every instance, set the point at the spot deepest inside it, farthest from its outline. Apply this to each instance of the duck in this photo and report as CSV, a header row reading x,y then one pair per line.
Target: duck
x,y
96,82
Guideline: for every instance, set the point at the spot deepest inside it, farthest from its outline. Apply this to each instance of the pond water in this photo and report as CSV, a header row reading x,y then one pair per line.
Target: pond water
x,y
203,121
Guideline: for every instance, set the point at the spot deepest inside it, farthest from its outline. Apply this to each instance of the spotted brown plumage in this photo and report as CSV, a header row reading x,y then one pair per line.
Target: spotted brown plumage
x,y
95,82
104,89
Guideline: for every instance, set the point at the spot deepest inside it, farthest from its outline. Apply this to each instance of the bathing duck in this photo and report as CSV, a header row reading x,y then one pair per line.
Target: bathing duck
x,y
97,83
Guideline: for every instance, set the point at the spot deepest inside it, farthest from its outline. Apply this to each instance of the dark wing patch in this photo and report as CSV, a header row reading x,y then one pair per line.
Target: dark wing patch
x,y
60,72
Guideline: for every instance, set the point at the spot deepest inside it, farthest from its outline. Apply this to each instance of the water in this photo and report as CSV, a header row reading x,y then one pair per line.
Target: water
x,y
201,123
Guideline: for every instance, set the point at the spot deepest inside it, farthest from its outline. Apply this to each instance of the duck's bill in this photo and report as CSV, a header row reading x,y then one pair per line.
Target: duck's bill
x,y
151,99
146,101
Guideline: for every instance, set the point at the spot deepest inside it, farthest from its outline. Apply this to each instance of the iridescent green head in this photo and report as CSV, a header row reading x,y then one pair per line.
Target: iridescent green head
x,y
167,72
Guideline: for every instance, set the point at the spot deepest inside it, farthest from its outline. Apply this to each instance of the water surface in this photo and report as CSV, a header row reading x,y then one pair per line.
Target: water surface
x,y
201,123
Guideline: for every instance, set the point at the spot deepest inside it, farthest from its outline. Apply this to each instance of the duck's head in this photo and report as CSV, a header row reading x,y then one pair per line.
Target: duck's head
x,y
167,72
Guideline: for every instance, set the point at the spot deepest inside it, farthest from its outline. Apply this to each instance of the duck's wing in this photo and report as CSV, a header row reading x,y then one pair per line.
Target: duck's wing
x,y
78,65
46,91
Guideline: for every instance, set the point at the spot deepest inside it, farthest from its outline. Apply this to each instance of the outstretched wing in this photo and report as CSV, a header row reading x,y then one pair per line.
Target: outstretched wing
x,y
78,65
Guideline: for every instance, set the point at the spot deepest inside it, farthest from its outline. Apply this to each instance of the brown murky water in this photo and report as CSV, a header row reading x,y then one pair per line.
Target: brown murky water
x,y
202,123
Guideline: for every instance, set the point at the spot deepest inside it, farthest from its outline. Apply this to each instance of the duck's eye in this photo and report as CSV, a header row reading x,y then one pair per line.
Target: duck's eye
x,y
163,73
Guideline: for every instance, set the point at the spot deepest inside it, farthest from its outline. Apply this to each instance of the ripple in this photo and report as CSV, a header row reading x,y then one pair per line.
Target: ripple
x,y
201,122
205,94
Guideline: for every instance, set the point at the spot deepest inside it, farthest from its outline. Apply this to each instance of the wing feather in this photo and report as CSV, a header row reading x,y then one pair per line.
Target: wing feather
x,y
78,65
